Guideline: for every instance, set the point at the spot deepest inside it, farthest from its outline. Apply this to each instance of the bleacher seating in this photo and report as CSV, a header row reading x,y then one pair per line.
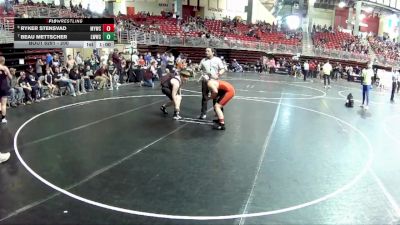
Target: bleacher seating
x,y
215,27
386,50
331,40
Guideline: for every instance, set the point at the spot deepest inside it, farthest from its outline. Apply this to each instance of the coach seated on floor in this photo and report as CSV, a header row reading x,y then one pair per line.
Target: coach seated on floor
x,y
101,77
150,74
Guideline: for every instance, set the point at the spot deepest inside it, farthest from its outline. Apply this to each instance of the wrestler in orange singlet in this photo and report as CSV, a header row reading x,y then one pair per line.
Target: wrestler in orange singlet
x,y
223,92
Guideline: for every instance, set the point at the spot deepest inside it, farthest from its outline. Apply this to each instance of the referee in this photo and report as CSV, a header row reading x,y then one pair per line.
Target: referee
x,y
213,68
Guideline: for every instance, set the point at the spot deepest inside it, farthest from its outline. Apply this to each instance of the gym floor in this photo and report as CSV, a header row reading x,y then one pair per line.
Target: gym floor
x,y
292,153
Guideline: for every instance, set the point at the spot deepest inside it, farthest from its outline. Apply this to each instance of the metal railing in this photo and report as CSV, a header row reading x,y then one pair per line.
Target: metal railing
x,y
337,54
6,37
43,11
383,61
187,41
153,38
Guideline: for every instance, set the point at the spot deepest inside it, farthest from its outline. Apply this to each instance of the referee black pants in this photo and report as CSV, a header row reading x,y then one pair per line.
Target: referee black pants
x,y
204,92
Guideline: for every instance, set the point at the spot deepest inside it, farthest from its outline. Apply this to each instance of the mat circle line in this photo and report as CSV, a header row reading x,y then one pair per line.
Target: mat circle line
x,y
182,217
283,82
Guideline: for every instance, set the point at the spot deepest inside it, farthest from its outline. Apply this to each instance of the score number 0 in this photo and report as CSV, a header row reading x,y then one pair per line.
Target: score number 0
x,y
108,27
108,32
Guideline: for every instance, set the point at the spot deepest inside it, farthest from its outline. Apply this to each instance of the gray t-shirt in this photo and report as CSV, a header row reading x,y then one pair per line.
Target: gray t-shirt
x,y
212,66
39,68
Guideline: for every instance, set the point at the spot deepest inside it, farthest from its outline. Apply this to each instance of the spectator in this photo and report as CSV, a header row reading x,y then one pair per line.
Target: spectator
x,y
88,75
150,73
135,58
16,92
103,58
101,76
78,59
306,69
21,81
112,75
327,69
36,86
366,77
48,82
76,78
49,59
395,80
39,67
135,75
55,61
141,62
236,67
70,63
62,80
147,58
170,62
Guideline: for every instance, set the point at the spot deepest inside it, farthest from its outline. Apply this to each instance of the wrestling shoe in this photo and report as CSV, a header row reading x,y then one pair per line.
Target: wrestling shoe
x,y
4,157
177,116
164,109
219,126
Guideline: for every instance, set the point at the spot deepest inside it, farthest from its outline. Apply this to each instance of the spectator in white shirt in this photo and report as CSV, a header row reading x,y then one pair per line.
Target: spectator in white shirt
x,y
78,59
306,69
103,58
135,58
327,69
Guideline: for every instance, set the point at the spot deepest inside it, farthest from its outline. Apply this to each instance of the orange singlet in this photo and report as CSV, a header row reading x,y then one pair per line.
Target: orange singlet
x,y
225,92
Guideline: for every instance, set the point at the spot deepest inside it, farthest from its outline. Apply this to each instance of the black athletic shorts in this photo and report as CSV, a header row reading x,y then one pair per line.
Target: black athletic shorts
x,y
167,92
4,88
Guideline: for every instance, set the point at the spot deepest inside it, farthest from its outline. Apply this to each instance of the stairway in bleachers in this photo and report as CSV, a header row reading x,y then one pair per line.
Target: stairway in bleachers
x,y
307,44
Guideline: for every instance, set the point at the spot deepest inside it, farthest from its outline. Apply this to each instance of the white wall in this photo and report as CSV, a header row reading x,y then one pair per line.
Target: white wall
x,y
120,7
322,17
151,6
384,22
230,8
261,13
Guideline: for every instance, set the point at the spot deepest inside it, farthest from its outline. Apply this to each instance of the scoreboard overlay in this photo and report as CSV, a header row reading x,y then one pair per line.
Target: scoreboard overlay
x,y
64,33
